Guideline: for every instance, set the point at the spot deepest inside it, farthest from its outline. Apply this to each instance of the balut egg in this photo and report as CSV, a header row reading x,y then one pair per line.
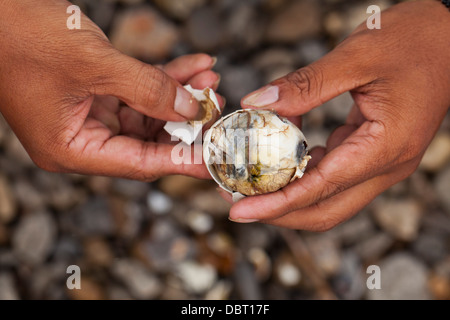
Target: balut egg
x,y
251,152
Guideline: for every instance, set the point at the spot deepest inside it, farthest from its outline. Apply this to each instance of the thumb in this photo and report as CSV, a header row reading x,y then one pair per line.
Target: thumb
x,y
309,87
147,89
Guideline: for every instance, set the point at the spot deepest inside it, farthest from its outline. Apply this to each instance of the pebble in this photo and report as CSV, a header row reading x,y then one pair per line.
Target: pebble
x,y
98,252
28,196
311,50
179,9
204,29
7,287
287,272
350,281
34,237
8,204
374,247
158,202
177,186
262,263
199,221
430,246
141,283
298,20
325,252
17,152
403,277
196,278
437,155
442,188
144,34
399,217
90,290
245,282
211,202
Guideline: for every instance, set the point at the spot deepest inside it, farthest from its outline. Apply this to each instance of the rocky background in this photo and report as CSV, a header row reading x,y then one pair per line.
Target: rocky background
x,y
171,239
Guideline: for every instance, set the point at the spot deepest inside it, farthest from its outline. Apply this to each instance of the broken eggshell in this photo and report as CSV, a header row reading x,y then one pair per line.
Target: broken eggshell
x,y
188,131
251,152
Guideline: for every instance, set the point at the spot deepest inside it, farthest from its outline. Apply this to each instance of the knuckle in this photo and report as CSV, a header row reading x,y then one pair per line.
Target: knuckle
x,y
307,81
150,86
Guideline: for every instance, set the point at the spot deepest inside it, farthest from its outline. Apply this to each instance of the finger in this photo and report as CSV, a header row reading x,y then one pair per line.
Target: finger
x,y
311,86
335,210
185,67
95,151
205,79
145,88
360,157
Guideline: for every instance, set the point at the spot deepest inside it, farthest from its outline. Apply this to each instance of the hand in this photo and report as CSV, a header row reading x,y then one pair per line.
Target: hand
x,y
399,79
60,91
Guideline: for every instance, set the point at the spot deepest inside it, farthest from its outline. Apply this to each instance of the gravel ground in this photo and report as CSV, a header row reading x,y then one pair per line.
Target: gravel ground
x,y
171,239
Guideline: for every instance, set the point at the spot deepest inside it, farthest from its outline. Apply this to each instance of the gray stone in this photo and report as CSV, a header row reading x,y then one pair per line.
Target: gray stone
x,y
17,152
144,33
311,50
442,188
349,282
34,237
205,29
298,20
130,188
403,277
399,217
339,107
374,247
211,202
238,81
28,195
158,202
430,246
325,252
141,283
179,9
8,205
8,289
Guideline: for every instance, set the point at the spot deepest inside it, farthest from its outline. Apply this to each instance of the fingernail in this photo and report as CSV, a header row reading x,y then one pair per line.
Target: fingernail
x,y
263,97
185,104
241,220
214,61
217,83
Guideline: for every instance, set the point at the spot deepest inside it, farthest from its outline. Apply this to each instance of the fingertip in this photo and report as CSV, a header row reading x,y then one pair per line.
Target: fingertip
x,y
185,104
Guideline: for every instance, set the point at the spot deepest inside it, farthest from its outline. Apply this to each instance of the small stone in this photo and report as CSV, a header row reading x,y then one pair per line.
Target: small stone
x,y
179,9
401,218
439,286
199,221
350,282
28,196
34,237
210,201
442,188
355,229
8,205
403,277
298,20
177,186
8,289
99,185
205,29
287,272
245,27
98,252
374,247
129,217
261,262
90,290
131,189
141,283
311,50
430,246
437,154
158,202
238,81
144,34
197,278
325,252
220,291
